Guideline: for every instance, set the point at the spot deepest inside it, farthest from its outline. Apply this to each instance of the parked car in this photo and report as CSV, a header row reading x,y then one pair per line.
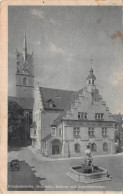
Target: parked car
x,y
15,165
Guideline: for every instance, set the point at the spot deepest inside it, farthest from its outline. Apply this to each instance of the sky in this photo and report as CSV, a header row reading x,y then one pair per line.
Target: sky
x,y
63,39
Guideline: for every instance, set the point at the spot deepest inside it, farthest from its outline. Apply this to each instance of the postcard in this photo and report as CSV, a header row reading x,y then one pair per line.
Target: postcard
x,y
61,96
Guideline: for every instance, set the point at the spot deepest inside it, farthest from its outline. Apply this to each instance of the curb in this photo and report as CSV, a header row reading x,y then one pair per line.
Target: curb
x,y
38,155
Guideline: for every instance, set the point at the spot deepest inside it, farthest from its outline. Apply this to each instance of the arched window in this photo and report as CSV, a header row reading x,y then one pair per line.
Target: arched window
x,y
25,81
105,147
89,81
93,147
77,148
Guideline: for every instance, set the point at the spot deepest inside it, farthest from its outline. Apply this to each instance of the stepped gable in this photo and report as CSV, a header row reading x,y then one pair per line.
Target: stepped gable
x,y
71,103
74,96
59,98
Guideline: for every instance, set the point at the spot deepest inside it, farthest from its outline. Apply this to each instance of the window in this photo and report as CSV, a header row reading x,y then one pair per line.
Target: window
x,y
77,148
93,147
53,131
91,132
76,132
50,103
104,132
99,116
34,132
92,81
105,147
25,81
89,81
82,115
60,132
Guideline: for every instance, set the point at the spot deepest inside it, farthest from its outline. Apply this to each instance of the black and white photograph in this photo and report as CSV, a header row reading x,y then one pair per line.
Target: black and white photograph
x,y
65,98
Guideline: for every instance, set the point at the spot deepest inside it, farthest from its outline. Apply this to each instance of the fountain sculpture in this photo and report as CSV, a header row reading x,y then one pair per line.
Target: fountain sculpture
x,y
87,172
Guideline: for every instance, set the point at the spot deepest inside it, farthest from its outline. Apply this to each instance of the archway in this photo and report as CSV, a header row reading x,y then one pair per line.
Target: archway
x,y
77,148
56,147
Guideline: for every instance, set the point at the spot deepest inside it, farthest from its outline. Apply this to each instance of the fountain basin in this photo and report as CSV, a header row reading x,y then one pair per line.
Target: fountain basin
x,y
99,174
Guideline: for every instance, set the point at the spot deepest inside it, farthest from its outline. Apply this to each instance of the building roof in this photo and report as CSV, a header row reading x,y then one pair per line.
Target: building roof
x,y
91,75
25,103
33,125
47,137
58,98
72,99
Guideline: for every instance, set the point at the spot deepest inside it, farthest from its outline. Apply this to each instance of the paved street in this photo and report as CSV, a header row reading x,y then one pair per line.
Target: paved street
x,y
52,175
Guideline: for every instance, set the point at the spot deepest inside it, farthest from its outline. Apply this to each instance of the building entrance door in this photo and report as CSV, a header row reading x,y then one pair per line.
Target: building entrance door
x,y
56,147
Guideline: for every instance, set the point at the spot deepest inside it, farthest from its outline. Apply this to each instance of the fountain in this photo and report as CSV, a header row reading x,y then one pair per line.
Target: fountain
x,y
87,172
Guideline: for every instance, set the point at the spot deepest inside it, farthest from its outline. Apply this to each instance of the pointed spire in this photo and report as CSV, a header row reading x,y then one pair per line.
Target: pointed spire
x,y
91,71
24,47
91,60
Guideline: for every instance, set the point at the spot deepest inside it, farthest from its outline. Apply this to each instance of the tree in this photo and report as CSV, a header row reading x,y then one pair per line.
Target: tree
x,y
16,122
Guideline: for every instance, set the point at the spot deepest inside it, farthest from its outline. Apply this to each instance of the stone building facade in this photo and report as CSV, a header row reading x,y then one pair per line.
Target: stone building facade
x,y
64,122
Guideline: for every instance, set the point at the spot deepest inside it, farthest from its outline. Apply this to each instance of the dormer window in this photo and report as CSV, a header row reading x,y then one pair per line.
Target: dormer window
x,y
51,103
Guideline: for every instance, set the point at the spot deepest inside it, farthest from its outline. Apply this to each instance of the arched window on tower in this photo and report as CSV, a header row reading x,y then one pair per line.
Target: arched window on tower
x,y
25,81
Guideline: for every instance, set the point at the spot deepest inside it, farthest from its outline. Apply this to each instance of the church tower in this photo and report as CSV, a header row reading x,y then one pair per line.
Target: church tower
x,y
91,81
24,73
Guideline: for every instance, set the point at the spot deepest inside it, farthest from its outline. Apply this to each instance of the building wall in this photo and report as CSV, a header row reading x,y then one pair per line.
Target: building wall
x,y
47,118
90,106
43,119
24,92
84,139
37,110
86,103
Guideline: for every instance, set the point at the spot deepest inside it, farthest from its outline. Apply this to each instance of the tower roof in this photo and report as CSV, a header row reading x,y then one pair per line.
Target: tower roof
x,y
91,75
24,47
